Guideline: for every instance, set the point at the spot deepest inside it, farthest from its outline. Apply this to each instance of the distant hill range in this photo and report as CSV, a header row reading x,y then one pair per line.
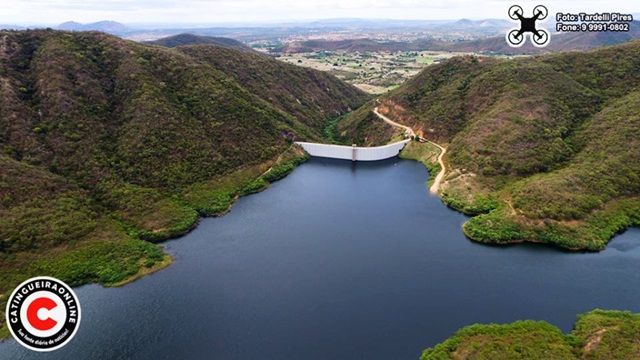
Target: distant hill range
x,y
107,26
485,26
191,39
442,29
10,27
559,42
360,45
494,44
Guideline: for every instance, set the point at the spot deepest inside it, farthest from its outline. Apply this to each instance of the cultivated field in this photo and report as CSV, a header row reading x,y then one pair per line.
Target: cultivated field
x,y
373,72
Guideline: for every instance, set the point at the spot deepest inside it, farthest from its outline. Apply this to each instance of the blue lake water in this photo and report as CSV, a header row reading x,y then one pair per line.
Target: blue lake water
x,y
340,261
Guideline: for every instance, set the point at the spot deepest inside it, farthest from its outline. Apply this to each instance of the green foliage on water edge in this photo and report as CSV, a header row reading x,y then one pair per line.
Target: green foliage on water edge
x,y
592,234
427,154
107,255
254,186
115,249
283,169
599,334
519,340
481,204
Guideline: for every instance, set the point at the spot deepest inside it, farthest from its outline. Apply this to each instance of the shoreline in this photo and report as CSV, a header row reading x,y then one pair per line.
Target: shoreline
x,y
272,174
409,132
144,271
168,258
526,235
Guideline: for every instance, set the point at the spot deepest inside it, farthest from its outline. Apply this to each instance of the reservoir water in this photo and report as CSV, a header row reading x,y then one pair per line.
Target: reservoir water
x,y
340,261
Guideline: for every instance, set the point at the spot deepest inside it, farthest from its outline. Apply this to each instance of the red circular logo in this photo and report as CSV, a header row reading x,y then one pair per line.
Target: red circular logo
x,y
43,313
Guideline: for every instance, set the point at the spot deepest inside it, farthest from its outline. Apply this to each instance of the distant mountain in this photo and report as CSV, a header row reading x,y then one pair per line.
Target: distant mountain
x,y
275,32
480,27
470,27
191,39
494,44
109,27
10,27
464,22
70,26
559,42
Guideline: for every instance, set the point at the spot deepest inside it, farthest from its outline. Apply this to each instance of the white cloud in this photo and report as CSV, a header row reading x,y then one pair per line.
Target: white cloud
x,y
221,11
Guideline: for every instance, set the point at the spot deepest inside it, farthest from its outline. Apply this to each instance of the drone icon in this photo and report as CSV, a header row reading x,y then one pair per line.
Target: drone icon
x,y
539,37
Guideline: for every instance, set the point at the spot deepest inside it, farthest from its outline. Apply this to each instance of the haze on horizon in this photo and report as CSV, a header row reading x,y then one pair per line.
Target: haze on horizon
x,y
211,12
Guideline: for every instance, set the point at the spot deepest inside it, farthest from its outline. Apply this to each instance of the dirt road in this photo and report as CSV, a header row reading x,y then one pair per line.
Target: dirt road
x,y
409,132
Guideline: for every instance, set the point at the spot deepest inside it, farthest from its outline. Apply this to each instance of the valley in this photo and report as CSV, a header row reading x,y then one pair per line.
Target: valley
x,y
110,147
372,72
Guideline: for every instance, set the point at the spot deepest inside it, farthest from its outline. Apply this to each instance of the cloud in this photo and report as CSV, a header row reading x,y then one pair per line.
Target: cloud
x,y
220,11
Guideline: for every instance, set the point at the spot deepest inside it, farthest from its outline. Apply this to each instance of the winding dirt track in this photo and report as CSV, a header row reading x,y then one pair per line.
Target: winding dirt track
x,y
435,187
409,132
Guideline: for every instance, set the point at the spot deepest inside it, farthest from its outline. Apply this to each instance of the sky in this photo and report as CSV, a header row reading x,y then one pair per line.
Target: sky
x,y
211,12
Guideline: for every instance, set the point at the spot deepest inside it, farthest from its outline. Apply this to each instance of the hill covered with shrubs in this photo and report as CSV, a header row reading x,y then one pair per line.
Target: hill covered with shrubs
x,y
108,145
541,149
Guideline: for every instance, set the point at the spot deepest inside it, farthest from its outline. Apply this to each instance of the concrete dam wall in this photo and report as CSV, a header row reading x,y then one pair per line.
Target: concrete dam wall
x,y
354,153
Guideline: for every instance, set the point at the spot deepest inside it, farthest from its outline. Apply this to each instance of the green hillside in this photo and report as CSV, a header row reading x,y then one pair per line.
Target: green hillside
x,y
311,96
364,128
106,143
598,334
191,39
542,149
